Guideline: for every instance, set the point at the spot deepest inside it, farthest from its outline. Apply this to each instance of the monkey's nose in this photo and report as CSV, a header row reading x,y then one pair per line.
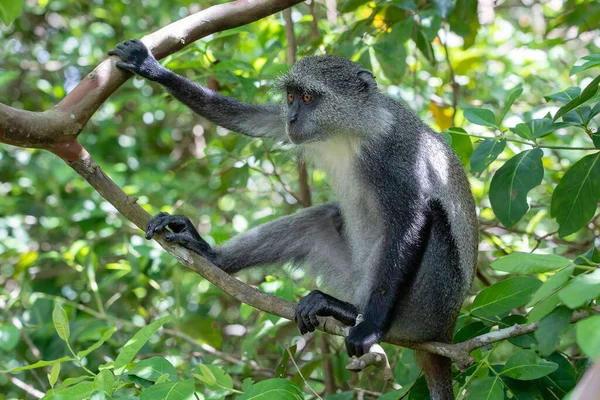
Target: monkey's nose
x,y
293,117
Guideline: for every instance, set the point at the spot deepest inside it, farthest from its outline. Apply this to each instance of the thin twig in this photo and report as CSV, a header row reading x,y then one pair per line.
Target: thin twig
x,y
300,373
26,387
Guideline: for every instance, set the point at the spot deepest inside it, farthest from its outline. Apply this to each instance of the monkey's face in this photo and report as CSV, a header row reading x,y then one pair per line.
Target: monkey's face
x,y
301,119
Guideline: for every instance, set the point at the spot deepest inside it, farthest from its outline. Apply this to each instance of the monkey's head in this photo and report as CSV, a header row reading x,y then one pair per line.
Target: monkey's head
x,y
327,96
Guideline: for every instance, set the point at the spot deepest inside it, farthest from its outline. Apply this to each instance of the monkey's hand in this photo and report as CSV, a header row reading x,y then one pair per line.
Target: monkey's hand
x,y
183,233
361,338
317,303
138,59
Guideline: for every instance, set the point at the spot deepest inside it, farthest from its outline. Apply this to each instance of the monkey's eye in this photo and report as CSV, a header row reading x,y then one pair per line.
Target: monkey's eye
x,y
307,98
290,97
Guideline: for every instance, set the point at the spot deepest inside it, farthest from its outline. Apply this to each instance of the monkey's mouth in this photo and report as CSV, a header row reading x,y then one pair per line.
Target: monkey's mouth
x,y
298,137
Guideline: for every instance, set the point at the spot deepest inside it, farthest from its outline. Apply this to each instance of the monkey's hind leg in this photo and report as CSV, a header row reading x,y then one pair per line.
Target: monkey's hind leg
x,y
438,373
317,303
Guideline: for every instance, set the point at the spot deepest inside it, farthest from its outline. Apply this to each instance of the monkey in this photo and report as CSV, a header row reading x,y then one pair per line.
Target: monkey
x,y
399,244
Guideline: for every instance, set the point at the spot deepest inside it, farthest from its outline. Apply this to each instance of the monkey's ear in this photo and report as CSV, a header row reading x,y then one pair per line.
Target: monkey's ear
x,y
367,78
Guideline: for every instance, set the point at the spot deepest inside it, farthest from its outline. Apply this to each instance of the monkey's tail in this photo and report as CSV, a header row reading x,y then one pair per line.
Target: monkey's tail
x,y
438,372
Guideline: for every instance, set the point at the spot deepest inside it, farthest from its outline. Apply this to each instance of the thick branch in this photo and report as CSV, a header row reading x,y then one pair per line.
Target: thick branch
x,y
57,129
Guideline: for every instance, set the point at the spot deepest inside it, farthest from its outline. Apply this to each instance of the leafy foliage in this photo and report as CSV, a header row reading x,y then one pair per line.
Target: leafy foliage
x,y
92,310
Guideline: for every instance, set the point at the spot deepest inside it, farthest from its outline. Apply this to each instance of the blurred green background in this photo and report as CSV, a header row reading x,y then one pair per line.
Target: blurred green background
x,y
60,241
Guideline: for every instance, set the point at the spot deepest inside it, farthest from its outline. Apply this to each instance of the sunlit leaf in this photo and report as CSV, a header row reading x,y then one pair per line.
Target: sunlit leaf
x,y
529,263
61,322
9,10
133,345
581,290
587,336
481,116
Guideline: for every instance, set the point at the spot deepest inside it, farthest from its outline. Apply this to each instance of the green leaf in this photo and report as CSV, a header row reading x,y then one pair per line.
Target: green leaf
x,y
558,383
522,130
393,395
9,337
389,56
53,375
405,5
529,263
61,322
589,92
512,96
152,368
275,388
581,290
592,60
551,284
107,335
430,24
512,182
281,370
134,344
541,127
170,391
525,365
424,45
9,10
104,381
99,395
481,116
587,335
73,381
39,364
565,96
82,390
575,199
504,296
489,389
543,308
485,154
471,330
444,7
461,144
550,328
214,377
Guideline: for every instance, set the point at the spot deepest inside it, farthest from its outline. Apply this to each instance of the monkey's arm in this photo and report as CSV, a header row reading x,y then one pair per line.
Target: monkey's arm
x,y
311,235
247,119
406,237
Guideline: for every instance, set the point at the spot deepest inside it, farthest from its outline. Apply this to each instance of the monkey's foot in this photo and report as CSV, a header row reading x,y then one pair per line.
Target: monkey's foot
x,y
183,233
317,303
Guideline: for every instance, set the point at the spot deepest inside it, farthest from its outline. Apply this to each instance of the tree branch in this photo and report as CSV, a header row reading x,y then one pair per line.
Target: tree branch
x,y
57,129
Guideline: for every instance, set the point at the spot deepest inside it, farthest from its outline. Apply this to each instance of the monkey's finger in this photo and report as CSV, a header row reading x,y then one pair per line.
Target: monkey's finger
x,y
350,348
301,327
307,323
182,239
346,318
154,223
127,66
314,321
